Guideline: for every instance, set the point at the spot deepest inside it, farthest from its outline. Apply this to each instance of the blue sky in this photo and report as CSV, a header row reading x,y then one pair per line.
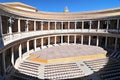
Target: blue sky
x,y
73,5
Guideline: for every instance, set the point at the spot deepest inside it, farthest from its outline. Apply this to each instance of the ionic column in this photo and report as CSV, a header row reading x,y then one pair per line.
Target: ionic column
x,y
55,40
75,39
4,65
116,43
28,46
97,41
118,25
10,21
19,29
81,39
1,31
26,24
12,57
98,25
61,39
49,25
82,25
20,52
55,25
42,42
48,41
61,25
108,22
35,44
89,40
75,25
106,42
68,39
41,25
68,25
90,25
34,25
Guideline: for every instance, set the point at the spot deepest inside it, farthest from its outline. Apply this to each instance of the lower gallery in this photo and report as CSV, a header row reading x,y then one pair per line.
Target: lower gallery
x,y
36,45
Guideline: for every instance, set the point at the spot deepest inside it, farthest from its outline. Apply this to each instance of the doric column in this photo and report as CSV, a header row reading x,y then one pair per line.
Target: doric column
x,y
61,25
55,40
98,25
106,42
48,25
75,39
97,41
89,40
68,25
81,39
68,39
42,25
1,31
48,41
82,25
55,25
19,29
41,42
4,65
116,40
34,25
20,51
75,25
12,57
35,44
28,46
61,39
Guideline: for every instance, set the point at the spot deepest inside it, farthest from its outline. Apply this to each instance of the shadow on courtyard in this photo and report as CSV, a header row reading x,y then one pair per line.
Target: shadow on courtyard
x,y
109,71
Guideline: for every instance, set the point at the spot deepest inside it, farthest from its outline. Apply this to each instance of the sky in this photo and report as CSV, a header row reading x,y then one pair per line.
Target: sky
x,y
73,5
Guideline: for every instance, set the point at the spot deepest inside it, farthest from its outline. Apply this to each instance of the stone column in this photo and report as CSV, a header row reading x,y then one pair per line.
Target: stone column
x,y
55,25
118,25
98,25
42,42
42,25
10,21
108,22
12,57
68,25
1,31
89,40
4,65
68,39
81,39
19,28
106,42
20,51
97,41
26,25
48,41
116,40
55,40
90,25
75,25
82,25
35,44
75,39
48,25
61,25
61,39
34,25
28,46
